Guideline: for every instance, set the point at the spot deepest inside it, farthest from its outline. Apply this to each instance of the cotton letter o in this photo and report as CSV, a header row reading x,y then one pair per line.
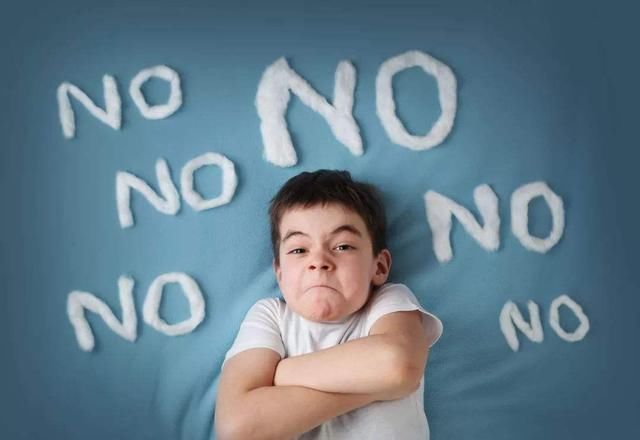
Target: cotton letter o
x,y
160,111
154,296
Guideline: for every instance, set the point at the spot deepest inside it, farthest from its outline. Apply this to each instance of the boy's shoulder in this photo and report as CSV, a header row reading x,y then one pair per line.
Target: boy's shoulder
x,y
390,290
271,308
272,302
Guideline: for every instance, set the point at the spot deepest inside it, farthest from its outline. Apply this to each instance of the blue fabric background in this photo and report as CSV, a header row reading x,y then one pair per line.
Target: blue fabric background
x,y
547,91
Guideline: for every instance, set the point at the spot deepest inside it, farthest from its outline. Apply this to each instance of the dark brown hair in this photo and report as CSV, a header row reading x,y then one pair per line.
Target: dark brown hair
x,y
323,187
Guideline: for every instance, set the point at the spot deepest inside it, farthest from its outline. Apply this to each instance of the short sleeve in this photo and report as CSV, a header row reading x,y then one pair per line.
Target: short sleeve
x,y
398,298
259,329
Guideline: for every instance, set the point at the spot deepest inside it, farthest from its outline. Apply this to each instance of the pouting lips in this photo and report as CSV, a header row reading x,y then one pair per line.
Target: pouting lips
x,y
319,286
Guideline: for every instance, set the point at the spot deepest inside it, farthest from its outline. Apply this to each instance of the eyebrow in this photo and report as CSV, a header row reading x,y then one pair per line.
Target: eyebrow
x,y
343,228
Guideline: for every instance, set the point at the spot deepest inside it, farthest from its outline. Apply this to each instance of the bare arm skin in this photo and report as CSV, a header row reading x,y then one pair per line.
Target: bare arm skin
x,y
248,406
391,359
261,396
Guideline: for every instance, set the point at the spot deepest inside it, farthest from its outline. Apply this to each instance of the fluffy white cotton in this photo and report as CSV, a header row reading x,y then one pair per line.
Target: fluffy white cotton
x,y
78,302
440,210
386,106
510,315
169,203
159,111
272,99
520,216
154,296
111,115
229,181
554,319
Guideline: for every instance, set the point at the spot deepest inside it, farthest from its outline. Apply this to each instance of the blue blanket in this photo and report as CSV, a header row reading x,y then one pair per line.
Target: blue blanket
x,y
545,92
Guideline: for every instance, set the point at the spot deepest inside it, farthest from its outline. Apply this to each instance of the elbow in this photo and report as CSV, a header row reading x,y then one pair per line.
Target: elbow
x,y
237,428
405,373
225,429
406,377
230,430
230,426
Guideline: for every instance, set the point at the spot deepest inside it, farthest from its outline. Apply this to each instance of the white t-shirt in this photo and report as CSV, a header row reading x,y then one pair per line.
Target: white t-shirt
x,y
270,323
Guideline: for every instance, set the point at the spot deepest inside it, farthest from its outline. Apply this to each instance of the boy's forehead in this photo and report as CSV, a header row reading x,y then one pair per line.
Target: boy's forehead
x,y
338,212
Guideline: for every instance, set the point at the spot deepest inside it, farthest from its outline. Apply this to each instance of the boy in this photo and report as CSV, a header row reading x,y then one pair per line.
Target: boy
x,y
343,355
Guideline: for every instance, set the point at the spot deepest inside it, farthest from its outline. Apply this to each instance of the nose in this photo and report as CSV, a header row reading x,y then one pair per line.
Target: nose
x,y
320,261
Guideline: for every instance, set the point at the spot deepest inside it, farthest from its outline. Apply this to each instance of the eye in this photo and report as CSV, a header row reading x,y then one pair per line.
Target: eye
x,y
344,247
296,251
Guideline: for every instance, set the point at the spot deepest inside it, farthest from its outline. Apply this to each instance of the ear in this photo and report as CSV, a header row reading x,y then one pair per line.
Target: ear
x,y
277,270
382,267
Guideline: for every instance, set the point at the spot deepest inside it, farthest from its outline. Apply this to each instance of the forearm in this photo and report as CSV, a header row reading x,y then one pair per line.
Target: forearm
x,y
372,364
282,412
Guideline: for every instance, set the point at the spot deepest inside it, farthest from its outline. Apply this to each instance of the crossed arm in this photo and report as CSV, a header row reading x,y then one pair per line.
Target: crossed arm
x,y
263,397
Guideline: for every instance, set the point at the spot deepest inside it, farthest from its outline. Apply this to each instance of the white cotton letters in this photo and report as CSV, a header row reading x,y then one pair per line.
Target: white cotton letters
x,y
272,100
277,83
441,209
554,319
520,216
112,114
78,302
386,106
168,204
154,296
229,181
169,201
510,318
160,111
279,80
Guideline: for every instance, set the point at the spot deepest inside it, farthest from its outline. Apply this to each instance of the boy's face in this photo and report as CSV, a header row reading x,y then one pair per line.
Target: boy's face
x,y
327,266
